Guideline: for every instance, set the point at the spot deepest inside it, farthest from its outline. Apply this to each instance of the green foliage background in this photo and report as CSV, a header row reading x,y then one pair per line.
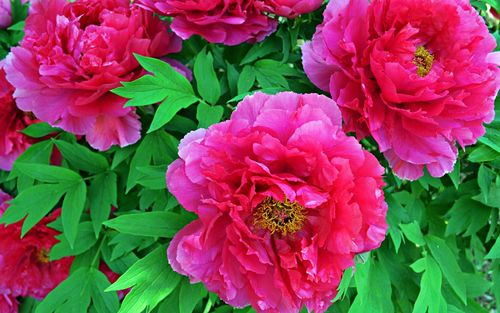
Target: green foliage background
x,y
442,253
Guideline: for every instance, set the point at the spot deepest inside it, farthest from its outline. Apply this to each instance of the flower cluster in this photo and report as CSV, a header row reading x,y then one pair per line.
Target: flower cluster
x,y
25,269
419,76
74,53
285,200
226,21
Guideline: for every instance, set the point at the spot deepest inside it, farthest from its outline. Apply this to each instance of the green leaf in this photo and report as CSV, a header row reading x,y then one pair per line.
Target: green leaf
x,y
447,261
73,294
85,239
169,108
152,224
153,177
467,216
38,153
413,233
430,298
39,130
372,276
72,210
102,195
48,173
494,252
455,175
344,284
151,280
104,302
260,50
483,154
246,79
159,146
206,78
190,295
208,115
174,81
484,179
144,91
82,158
35,203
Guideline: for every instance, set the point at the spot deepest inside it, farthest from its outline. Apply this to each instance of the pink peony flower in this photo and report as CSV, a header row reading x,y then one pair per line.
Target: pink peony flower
x,y
74,53
12,121
289,8
419,76
285,200
218,21
25,269
8,304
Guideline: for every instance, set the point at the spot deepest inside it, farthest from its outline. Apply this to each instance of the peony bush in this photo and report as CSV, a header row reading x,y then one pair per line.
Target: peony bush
x,y
270,156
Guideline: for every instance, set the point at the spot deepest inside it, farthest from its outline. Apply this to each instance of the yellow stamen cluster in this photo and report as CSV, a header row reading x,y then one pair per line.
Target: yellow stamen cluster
x,y
279,217
42,256
423,60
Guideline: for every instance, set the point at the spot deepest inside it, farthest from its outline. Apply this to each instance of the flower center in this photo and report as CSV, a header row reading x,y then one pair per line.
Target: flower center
x,y
42,256
423,60
283,217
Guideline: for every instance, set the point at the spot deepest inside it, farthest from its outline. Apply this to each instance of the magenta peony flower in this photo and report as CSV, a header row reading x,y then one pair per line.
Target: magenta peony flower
x,y
218,21
8,304
25,269
12,120
74,53
289,8
419,76
285,200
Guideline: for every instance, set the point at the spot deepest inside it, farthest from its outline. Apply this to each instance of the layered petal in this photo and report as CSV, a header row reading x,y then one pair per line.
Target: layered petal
x,y
419,76
285,201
